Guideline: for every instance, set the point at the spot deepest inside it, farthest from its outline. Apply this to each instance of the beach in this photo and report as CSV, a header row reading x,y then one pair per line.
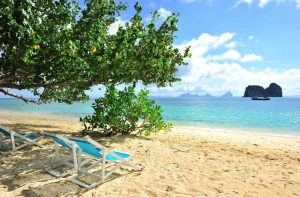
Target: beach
x,y
187,161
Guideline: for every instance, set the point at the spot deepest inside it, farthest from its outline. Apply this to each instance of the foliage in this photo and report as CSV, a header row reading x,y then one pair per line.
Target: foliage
x,y
58,50
124,112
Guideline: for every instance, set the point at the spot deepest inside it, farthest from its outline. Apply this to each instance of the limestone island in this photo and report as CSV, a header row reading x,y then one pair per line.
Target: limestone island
x,y
274,90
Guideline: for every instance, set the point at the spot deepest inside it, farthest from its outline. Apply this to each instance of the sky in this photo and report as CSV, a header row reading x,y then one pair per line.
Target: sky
x,y
234,43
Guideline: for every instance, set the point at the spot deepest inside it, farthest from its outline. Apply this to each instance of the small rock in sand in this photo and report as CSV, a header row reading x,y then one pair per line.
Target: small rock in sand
x,y
169,188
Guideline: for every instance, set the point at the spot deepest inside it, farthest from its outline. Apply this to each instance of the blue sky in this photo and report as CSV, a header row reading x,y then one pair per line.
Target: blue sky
x,y
275,28
234,43
262,44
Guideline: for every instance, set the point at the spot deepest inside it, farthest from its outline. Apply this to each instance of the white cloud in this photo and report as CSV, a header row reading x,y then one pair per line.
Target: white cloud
x,y
251,58
263,3
231,45
115,26
249,2
164,13
206,40
206,75
234,55
250,37
228,55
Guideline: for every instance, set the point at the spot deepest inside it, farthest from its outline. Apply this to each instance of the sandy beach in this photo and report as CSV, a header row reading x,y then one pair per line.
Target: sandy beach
x,y
188,161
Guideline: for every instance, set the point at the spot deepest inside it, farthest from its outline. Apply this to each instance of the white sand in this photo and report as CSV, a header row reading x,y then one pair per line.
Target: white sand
x,y
271,140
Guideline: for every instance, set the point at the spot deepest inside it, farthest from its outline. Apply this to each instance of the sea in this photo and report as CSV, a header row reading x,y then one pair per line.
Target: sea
x,y
279,115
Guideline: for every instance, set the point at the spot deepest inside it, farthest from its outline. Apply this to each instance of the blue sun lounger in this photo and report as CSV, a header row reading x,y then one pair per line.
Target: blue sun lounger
x,y
98,155
60,158
86,155
20,139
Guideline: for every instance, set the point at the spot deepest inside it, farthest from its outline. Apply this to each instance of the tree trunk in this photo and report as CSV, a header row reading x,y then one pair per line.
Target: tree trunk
x,y
1,141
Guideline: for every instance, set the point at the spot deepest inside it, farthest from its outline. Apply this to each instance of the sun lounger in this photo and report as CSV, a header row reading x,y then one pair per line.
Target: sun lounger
x,y
60,158
20,139
97,154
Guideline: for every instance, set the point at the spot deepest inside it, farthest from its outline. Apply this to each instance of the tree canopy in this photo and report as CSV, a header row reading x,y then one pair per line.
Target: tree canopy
x,y
58,50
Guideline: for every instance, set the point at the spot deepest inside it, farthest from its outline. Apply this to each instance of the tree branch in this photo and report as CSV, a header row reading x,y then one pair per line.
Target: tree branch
x,y
26,100
18,74
35,85
50,85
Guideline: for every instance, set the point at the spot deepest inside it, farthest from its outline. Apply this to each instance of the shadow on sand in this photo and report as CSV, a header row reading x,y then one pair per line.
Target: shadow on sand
x,y
22,172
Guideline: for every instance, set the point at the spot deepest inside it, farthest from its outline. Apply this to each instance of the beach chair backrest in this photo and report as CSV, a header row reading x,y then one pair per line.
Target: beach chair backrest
x,y
87,148
58,140
4,132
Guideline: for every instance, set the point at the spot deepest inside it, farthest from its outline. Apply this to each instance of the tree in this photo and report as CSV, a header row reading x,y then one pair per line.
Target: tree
x,y
124,112
58,50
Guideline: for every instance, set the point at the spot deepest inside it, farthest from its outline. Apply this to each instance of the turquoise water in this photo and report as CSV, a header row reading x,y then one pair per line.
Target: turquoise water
x,y
280,115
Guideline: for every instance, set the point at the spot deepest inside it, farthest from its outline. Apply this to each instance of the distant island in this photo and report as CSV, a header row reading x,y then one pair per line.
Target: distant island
x,y
227,95
274,90
189,95
194,95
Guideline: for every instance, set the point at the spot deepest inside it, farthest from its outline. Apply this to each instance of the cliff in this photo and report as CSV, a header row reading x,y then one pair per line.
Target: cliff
x,y
273,90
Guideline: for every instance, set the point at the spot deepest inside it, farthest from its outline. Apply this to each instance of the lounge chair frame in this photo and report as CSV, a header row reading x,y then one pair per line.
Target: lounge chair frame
x,y
16,137
59,158
99,179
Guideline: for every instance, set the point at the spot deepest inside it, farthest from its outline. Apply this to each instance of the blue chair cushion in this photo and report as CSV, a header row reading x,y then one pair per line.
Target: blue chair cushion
x,y
32,136
4,132
59,141
90,149
120,154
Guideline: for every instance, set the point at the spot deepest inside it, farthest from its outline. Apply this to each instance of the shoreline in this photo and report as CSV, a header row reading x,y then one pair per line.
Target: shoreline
x,y
176,124
232,135
240,129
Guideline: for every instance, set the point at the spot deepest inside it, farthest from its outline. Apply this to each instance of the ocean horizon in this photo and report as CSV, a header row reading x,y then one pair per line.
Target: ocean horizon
x,y
279,115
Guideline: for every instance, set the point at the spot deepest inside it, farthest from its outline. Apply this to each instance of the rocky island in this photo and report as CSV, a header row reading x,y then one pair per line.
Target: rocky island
x,y
274,90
